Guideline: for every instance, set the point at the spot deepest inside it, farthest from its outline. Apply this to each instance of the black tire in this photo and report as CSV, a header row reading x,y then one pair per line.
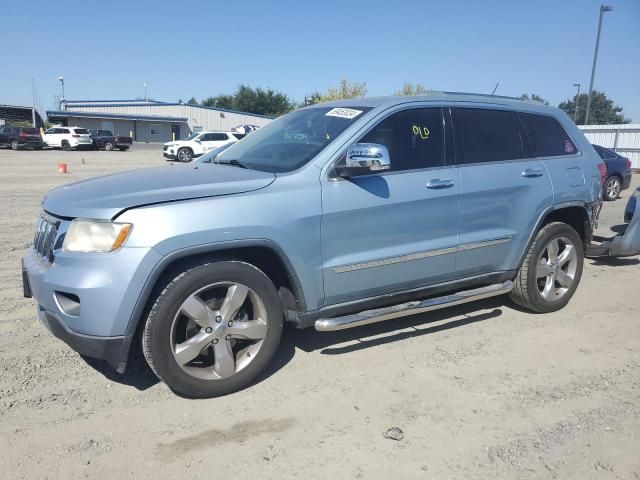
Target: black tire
x,y
525,287
185,154
108,146
65,146
15,145
156,343
612,188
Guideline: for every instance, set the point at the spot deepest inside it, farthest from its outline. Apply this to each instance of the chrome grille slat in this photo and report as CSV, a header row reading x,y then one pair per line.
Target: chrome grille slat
x,y
45,237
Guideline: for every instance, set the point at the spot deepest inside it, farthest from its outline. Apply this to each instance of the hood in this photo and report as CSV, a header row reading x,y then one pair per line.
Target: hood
x,y
105,197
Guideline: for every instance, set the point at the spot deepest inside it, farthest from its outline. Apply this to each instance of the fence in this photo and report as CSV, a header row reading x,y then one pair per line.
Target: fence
x,y
624,139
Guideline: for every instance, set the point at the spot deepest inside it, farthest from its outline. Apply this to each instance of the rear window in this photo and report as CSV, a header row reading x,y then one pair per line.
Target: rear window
x,y
81,131
547,137
483,135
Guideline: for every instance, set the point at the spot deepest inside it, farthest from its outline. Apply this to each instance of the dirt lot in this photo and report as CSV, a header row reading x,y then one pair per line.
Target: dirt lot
x,y
480,391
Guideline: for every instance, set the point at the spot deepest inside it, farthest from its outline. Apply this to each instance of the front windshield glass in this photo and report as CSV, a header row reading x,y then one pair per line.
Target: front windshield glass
x,y
292,140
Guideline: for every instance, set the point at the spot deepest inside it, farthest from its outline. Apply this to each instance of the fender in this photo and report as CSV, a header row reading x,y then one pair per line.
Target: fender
x,y
219,247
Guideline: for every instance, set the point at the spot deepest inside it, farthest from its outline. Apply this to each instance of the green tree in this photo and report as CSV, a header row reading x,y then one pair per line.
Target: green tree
x,y
246,99
345,90
192,101
410,89
534,97
603,110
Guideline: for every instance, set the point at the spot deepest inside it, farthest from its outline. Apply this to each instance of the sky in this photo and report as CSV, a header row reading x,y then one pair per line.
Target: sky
x,y
107,50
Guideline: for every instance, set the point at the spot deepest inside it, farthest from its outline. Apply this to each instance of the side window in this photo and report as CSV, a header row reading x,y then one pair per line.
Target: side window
x,y
218,136
205,138
63,130
414,138
483,135
546,136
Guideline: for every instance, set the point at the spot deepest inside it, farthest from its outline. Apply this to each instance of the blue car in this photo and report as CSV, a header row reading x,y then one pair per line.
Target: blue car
x,y
333,216
618,172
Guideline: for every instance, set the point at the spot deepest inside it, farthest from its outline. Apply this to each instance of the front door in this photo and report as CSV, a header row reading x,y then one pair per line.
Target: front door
x,y
394,230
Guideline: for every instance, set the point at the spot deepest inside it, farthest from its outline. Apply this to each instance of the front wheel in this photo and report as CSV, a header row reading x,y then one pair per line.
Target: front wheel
x,y
551,271
213,329
185,155
14,145
612,188
108,146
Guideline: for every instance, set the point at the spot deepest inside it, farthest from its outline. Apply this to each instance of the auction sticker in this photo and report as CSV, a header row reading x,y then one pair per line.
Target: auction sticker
x,y
343,113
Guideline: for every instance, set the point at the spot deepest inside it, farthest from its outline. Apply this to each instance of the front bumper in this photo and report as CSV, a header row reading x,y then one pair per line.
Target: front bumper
x,y
169,156
107,288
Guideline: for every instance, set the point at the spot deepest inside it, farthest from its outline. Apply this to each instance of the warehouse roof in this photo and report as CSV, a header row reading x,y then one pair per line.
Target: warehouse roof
x,y
114,116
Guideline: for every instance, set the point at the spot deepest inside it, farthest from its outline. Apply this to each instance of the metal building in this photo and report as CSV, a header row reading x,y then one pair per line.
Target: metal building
x,y
151,121
623,138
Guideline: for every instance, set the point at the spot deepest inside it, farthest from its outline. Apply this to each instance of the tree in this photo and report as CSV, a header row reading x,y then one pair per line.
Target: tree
x,y
345,90
603,110
192,101
258,100
535,97
410,89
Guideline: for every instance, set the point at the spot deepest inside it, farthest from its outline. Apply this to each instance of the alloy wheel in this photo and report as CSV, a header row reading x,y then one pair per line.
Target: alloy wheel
x,y
556,268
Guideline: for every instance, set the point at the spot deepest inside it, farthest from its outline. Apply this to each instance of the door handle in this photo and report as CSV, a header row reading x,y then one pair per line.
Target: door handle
x,y
438,183
532,172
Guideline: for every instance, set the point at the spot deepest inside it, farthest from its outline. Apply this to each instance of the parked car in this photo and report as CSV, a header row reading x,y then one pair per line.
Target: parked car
x,y
244,130
196,144
20,137
107,140
68,138
618,172
333,216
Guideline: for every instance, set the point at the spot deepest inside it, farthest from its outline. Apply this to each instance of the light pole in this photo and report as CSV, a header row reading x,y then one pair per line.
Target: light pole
x,y
145,91
61,79
575,112
603,9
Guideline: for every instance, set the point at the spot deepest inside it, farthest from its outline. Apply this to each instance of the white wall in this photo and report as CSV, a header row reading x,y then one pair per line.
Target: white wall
x,y
624,139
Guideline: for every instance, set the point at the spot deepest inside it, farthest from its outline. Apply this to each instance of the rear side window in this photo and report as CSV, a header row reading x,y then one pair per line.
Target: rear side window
x,y
414,138
218,136
483,135
546,136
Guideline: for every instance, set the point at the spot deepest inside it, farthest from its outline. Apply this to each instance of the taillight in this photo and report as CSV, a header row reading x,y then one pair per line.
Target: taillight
x,y
23,134
628,162
603,172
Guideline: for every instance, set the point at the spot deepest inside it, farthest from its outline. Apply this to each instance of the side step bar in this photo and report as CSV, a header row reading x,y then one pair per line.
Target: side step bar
x,y
411,308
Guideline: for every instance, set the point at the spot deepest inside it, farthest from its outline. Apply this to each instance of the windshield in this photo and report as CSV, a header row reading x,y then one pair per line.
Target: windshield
x,y
292,140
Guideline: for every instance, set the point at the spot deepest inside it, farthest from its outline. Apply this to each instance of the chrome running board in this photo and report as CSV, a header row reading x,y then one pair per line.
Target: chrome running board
x,y
411,308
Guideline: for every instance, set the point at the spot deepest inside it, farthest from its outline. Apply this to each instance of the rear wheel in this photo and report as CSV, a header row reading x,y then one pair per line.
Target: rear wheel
x,y
14,145
65,146
612,188
213,329
551,271
108,146
185,155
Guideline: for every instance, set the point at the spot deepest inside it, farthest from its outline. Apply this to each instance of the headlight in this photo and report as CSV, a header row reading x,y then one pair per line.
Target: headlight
x,y
94,236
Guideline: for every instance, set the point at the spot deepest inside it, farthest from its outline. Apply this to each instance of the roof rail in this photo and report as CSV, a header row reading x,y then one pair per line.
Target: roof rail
x,y
488,95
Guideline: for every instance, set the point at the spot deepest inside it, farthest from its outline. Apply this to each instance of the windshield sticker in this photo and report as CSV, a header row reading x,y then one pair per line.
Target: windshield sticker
x,y
423,132
568,146
348,113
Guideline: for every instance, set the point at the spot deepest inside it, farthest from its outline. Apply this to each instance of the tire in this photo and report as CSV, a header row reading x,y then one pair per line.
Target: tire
x,y
184,155
65,146
612,188
212,285
108,146
539,285
15,145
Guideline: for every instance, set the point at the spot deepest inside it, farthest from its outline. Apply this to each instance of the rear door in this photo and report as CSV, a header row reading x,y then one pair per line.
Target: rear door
x,y
395,230
503,190
52,137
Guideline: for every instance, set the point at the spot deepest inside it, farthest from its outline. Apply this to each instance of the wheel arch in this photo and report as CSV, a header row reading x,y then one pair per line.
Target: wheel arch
x,y
263,254
573,214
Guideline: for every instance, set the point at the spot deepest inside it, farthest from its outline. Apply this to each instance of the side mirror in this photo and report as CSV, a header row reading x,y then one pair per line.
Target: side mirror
x,y
363,158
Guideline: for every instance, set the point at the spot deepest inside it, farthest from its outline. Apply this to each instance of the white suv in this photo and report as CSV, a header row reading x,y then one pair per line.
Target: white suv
x,y
196,144
68,138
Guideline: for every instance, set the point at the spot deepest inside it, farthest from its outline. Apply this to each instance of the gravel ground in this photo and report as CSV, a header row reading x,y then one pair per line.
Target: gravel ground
x,y
479,391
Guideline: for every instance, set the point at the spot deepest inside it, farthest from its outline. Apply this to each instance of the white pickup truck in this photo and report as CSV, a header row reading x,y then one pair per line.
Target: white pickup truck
x,y
196,144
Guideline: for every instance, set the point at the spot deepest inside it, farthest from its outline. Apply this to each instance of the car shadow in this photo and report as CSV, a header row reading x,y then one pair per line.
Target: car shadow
x,y
615,261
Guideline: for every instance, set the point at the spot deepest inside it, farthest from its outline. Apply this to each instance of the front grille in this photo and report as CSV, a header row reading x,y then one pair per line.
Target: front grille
x,y
44,240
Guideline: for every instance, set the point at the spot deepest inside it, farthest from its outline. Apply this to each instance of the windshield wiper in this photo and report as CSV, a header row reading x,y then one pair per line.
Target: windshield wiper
x,y
234,162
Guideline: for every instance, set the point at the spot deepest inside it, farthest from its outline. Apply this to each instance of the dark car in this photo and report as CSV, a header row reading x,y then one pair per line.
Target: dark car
x,y
20,137
107,140
618,172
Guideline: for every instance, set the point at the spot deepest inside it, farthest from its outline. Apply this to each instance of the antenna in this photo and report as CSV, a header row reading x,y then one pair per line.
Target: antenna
x,y
495,88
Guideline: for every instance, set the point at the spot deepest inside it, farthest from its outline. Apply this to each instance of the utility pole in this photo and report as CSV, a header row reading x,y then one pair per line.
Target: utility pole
x,y
145,90
62,99
575,112
603,10
33,102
